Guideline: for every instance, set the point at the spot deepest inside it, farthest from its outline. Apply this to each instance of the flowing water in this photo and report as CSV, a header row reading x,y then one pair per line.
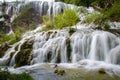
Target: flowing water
x,y
85,47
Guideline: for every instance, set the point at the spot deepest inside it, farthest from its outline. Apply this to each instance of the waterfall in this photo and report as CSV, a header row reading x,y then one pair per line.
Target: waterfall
x,y
85,46
50,47
41,7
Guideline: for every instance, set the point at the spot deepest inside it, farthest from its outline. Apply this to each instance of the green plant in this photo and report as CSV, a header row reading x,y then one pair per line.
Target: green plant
x,y
68,18
113,13
5,75
93,17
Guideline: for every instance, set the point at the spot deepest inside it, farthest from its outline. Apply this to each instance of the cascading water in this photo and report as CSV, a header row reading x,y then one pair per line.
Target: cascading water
x,y
85,46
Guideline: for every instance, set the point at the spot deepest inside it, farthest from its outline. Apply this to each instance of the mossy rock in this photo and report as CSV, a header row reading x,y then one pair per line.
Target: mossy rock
x,y
3,48
5,75
59,72
71,30
24,56
102,71
27,19
28,44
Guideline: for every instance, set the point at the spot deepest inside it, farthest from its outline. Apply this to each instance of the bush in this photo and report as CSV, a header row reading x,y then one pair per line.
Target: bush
x,y
93,17
4,75
68,18
10,39
113,13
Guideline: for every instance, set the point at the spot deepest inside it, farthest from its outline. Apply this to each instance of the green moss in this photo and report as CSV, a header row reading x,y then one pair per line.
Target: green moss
x,y
24,56
81,74
59,72
101,71
4,75
3,49
113,12
10,39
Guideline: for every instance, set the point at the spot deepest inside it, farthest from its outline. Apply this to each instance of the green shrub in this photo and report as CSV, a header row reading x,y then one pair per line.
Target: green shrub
x,y
10,39
4,75
68,18
113,13
93,17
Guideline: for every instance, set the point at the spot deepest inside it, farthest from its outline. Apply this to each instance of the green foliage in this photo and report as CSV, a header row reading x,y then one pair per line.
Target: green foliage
x,y
3,48
59,72
113,13
4,75
93,17
10,39
68,18
79,2
98,19
87,3
102,19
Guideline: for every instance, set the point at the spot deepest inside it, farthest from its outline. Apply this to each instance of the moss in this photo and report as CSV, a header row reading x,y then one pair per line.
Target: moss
x,y
16,48
101,71
24,56
3,48
83,74
59,72
4,75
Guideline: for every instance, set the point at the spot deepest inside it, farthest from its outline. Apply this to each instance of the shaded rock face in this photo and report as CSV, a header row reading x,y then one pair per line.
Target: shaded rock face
x,y
3,49
5,24
30,14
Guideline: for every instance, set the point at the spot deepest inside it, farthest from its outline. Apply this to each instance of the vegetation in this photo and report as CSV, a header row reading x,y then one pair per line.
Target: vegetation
x,y
109,10
10,39
113,13
82,74
68,18
23,57
59,72
102,19
87,3
26,20
5,75
3,49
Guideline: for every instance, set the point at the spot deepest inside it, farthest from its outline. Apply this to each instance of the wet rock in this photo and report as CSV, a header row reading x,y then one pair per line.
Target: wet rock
x,y
59,72
5,24
102,71
3,49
